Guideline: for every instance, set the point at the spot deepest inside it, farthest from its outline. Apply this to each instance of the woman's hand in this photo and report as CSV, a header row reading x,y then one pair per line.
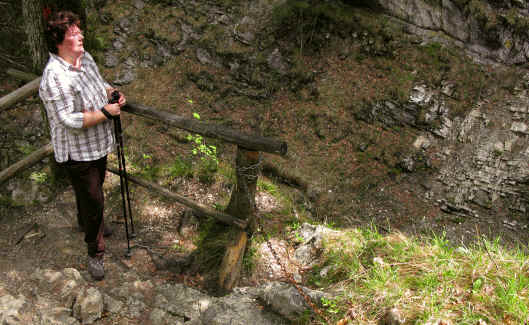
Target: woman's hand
x,y
122,100
113,109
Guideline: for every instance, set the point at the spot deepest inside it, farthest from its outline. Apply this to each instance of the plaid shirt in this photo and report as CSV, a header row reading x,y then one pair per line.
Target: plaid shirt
x,y
66,91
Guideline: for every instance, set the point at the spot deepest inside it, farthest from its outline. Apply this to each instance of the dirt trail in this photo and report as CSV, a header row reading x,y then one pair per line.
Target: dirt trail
x,y
47,237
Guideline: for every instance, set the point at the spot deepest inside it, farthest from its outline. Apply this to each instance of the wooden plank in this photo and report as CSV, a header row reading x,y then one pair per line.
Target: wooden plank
x,y
21,93
200,209
248,141
25,163
230,268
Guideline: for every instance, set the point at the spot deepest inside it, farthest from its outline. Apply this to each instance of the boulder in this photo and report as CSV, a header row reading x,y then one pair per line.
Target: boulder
x,y
88,306
11,310
238,308
286,300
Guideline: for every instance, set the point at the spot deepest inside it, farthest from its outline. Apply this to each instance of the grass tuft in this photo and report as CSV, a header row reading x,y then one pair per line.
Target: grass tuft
x,y
424,279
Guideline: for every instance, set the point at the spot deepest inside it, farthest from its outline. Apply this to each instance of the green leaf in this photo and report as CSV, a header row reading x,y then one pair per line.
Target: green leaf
x,y
477,285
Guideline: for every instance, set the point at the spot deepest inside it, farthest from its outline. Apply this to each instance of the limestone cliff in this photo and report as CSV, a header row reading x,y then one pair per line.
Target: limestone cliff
x,y
484,155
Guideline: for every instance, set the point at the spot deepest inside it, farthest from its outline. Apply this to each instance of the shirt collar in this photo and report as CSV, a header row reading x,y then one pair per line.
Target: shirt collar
x,y
65,64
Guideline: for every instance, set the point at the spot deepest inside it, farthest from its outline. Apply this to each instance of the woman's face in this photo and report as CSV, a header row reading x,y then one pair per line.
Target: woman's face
x,y
73,41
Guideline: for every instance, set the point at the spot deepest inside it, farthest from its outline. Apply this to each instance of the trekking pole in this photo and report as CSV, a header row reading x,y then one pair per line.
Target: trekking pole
x,y
117,123
123,179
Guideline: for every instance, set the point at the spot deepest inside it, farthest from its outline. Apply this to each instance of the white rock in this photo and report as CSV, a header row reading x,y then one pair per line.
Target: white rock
x,y
88,306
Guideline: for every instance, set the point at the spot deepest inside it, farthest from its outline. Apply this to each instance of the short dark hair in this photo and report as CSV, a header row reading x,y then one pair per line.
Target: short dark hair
x,y
57,26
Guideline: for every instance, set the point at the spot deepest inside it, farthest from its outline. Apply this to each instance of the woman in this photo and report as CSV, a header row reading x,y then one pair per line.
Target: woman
x,y
76,100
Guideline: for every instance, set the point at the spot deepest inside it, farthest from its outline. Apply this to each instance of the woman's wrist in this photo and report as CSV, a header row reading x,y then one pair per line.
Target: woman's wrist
x,y
107,114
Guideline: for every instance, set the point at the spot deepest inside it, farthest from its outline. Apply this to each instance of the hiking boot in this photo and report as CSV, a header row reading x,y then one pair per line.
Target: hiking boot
x,y
96,268
107,230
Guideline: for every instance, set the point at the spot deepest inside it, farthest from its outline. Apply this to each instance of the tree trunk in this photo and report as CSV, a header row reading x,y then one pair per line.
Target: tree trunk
x,y
34,27
38,51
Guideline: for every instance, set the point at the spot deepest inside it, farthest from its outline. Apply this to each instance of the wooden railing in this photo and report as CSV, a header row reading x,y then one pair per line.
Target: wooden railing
x,y
241,208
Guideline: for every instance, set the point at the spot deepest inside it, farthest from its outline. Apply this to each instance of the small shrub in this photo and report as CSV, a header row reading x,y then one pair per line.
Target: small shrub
x,y
270,188
39,177
209,161
180,168
206,171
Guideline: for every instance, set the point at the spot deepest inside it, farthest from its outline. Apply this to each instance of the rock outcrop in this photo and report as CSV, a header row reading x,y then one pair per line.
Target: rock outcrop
x,y
483,156
445,21
66,298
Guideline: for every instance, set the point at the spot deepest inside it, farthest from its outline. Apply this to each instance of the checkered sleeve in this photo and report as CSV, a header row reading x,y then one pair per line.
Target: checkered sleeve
x,y
59,97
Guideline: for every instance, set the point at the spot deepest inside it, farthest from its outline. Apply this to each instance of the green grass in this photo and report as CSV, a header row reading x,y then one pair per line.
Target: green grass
x,y
424,279
268,187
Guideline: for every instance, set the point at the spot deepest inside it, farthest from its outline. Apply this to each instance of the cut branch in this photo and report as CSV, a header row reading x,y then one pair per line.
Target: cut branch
x,y
200,209
287,175
25,163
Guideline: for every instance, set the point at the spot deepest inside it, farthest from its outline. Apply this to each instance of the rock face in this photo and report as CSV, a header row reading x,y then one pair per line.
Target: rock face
x,y
88,305
286,300
483,156
444,18
488,164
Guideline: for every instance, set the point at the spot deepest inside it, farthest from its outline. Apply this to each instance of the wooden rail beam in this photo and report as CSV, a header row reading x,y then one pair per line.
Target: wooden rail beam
x,y
21,75
21,93
200,209
27,162
251,142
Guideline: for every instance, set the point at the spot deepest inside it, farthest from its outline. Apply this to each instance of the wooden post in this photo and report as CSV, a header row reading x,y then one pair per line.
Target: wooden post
x,y
242,205
242,201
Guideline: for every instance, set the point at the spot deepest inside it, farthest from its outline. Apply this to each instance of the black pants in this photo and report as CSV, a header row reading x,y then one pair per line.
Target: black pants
x,y
87,179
